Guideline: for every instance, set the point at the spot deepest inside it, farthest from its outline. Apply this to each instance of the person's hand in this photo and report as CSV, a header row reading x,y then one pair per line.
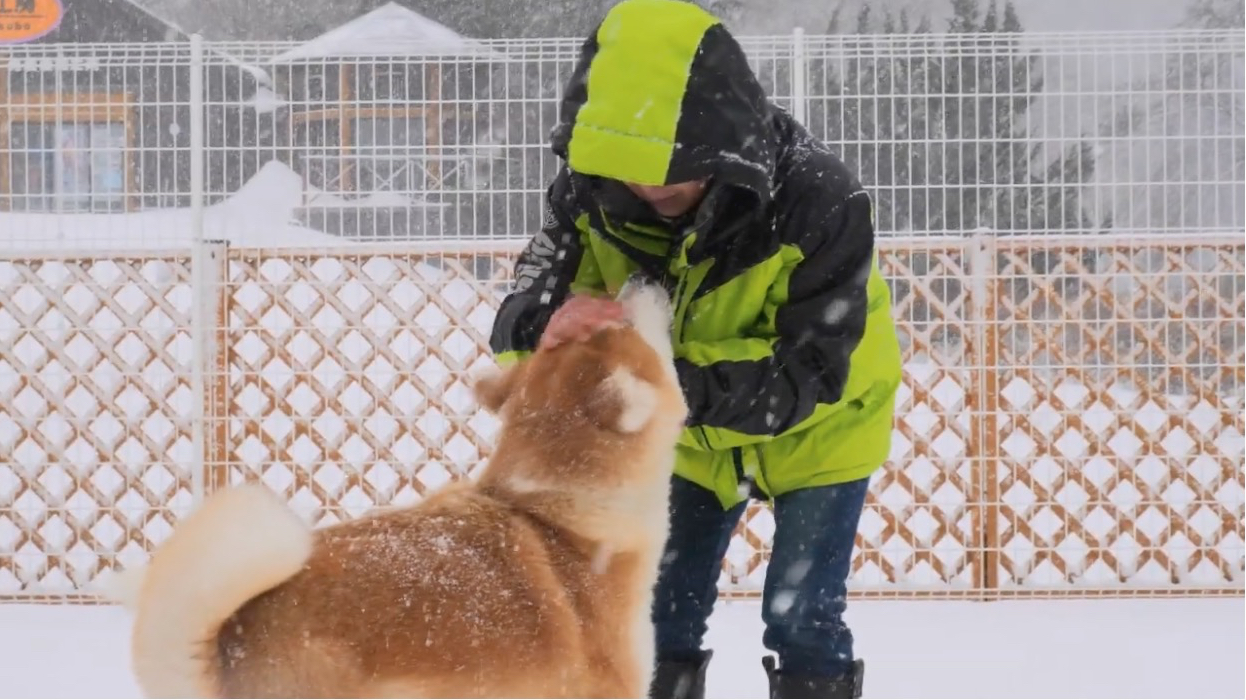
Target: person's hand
x,y
579,318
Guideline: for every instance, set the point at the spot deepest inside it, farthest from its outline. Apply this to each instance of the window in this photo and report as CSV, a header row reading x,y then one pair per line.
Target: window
x,y
319,152
315,88
378,150
67,166
390,151
378,135
390,83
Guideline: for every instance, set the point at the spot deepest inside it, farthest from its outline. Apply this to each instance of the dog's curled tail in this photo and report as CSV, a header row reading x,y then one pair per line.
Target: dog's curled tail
x,y
239,544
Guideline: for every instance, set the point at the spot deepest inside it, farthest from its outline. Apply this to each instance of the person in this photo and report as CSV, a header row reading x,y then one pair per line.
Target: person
x,y
676,166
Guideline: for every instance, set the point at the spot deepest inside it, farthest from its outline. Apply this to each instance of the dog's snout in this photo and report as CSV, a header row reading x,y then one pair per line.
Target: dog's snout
x,y
649,310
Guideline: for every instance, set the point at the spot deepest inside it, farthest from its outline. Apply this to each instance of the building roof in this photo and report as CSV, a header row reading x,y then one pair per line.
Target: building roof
x,y
304,20
154,13
389,30
240,20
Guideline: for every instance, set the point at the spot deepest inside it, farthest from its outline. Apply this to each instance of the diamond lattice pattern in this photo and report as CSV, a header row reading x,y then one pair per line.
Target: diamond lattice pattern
x,y
1069,417
95,409
1119,416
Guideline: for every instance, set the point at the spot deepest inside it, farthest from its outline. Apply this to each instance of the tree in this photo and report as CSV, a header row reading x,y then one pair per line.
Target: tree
x,y
866,110
1215,14
938,128
1181,132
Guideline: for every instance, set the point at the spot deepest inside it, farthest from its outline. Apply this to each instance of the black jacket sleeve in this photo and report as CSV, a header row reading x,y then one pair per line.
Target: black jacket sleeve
x,y
543,275
817,329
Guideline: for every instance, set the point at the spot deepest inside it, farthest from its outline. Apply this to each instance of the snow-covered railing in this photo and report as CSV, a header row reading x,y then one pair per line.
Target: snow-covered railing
x,y
1070,420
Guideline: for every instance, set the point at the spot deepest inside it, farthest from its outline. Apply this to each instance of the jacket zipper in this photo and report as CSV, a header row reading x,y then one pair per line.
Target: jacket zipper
x,y
737,457
744,481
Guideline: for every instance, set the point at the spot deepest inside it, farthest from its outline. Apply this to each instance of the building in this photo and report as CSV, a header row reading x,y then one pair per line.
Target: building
x,y
108,130
380,116
373,115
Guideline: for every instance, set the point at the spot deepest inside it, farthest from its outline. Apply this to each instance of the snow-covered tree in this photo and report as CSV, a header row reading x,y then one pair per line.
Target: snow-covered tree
x,y
939,129
1181,134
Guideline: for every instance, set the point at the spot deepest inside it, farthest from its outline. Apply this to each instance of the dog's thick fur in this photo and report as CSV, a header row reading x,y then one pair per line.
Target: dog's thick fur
x,y
533,581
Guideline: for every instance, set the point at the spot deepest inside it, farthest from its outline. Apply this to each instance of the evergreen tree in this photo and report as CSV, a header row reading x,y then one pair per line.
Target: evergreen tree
x,y
869,113
1181,132
939,130
1215,14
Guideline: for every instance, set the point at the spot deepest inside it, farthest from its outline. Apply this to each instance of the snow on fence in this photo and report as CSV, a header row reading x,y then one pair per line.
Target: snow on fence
x,y
222,262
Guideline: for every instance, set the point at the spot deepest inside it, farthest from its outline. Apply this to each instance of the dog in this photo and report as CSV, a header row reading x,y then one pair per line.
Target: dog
x,y
534,580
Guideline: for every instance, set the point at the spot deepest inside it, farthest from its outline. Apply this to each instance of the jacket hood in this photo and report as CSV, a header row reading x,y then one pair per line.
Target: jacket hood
x,y
662,93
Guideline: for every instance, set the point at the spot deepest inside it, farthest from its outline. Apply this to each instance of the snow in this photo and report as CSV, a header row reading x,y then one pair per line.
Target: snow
x,y
390,30
265,101
1138,648
260,213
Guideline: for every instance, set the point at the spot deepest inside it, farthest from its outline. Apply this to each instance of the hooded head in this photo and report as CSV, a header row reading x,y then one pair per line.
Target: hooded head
x,y
663,94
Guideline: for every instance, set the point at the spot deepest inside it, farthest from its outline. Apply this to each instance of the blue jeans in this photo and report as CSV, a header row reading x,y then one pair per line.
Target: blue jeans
x,y
803,597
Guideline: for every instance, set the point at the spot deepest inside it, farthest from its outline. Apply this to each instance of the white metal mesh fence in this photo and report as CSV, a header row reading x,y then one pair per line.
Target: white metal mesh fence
x,y
954,133
270,261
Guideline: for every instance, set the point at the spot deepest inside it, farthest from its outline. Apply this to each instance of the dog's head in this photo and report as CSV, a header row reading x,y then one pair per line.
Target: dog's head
x,y
617,387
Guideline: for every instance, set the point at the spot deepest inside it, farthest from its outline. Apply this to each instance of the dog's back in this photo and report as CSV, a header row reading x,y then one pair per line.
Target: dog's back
x,y
462,597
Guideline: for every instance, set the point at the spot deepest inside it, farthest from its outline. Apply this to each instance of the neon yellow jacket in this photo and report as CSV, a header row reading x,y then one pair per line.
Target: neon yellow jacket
x,y
783,334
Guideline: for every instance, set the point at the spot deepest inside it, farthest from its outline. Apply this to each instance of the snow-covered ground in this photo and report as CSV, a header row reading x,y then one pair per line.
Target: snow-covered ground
x,y
1098,648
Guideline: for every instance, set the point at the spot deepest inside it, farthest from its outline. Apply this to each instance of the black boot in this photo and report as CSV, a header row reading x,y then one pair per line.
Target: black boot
x,y
684,678
783,685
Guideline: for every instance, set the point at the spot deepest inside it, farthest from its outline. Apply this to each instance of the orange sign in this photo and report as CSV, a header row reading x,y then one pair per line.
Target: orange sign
x,y
27,20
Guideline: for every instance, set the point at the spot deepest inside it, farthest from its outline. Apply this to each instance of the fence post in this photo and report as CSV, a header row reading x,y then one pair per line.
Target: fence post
x,y
800,108
985,414
215,297
196,106
199,313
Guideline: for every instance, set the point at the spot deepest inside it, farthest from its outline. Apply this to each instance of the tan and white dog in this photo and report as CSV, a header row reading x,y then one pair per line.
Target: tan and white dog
x,y
533,581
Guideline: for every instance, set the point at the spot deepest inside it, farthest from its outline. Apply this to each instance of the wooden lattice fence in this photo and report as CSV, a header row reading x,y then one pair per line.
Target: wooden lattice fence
x,y
1070,420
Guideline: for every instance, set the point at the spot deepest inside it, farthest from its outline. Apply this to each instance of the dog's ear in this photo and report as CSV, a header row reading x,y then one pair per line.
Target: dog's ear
x,y
494,386
624,402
